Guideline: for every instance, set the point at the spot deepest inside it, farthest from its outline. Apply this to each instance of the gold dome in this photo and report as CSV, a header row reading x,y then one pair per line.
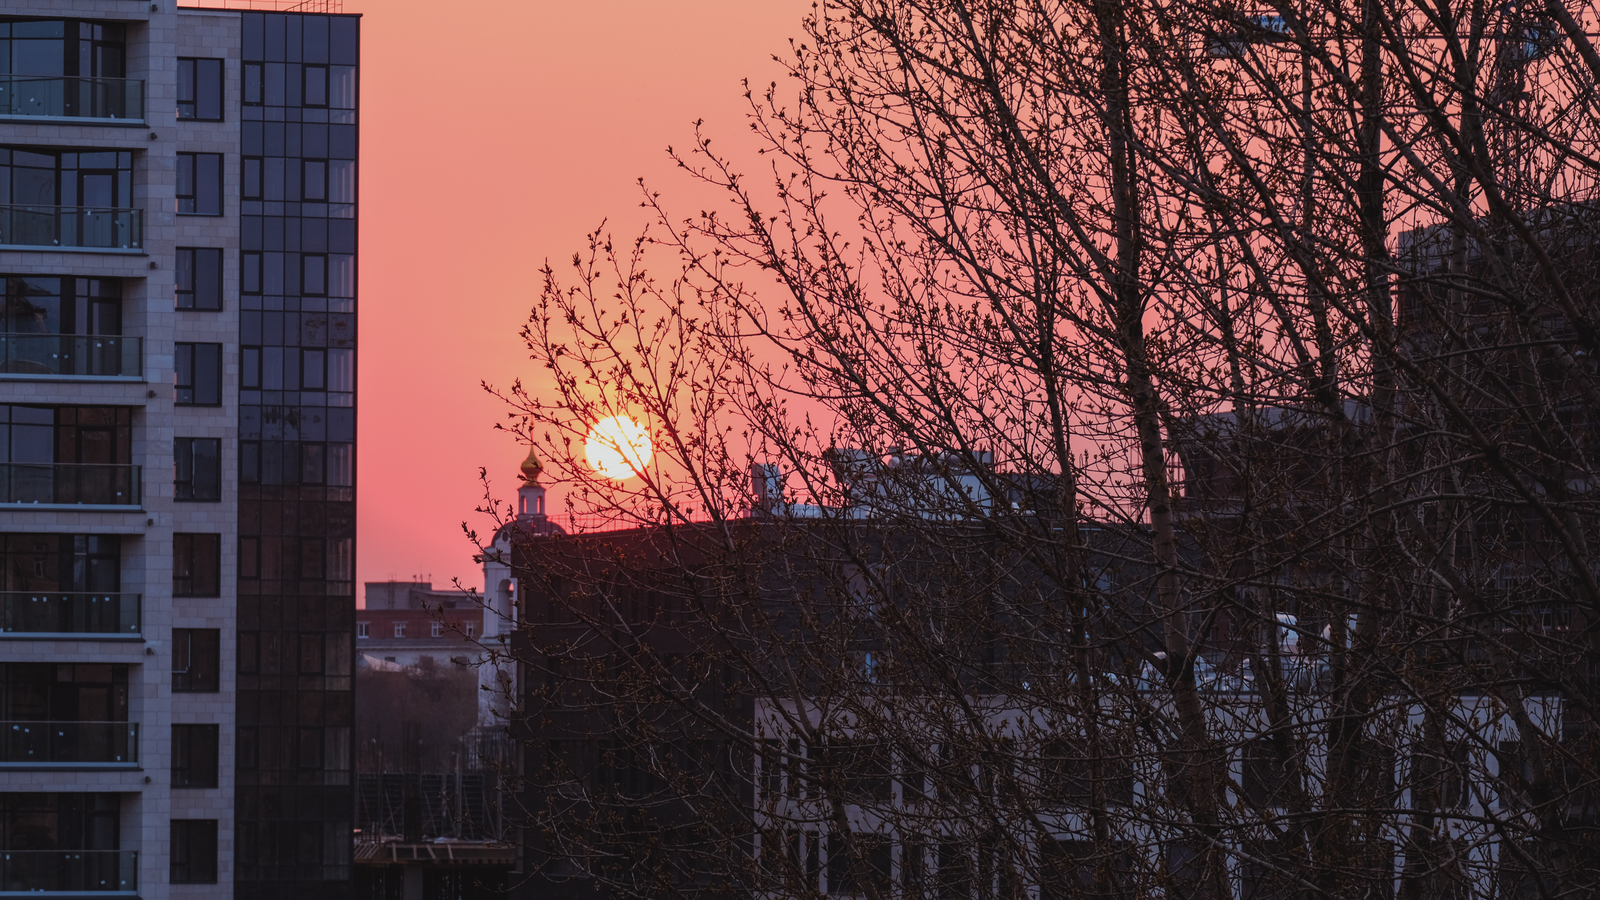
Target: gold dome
x,y
531,467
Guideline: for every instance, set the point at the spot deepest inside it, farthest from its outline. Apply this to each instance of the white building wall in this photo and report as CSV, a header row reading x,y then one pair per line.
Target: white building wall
x,y
158,33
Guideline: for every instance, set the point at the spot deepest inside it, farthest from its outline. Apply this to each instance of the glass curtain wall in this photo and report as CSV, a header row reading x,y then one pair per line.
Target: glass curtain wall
x,y
297,434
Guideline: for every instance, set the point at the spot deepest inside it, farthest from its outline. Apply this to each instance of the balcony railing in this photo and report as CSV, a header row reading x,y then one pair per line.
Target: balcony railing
x,y
94,355
69,483
71,97
38,612
69,870
71,226
69,742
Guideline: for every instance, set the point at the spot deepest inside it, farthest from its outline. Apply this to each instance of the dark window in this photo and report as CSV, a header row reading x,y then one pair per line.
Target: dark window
x,y
67,692
249,273
252,84
196,660
310,748
46,821
1266,778
194,851
199,369
197,565
311,653
200,89
313,370
249,557
866,872
314,179
250,178
55,304
199,469
98,179
194,756
316,86
60,562
314,274
955,872
200,184
1067,775
199,278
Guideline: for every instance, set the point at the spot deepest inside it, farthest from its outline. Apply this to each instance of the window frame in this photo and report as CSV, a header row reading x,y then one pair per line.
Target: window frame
x,y
305,82
193,385
193,177
307,181
190,66
189,768
186,554
197,658
189,267
184,462
193,838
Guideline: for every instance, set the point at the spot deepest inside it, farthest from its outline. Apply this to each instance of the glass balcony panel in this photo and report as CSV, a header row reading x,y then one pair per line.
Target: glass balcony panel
x,y
71,226
70,483
69,742
95,355
27,612
69,870
73,97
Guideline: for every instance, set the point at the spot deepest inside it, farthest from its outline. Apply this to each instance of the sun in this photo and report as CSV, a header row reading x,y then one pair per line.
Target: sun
x,y
618,448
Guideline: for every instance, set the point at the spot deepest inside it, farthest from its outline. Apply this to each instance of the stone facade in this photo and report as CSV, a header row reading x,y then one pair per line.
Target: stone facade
x,y
156,37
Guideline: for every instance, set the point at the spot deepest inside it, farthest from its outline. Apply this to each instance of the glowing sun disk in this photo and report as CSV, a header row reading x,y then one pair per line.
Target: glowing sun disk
x,y
618,447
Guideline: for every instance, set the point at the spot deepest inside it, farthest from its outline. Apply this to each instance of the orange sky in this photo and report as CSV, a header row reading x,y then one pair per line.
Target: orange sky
x,y
495,135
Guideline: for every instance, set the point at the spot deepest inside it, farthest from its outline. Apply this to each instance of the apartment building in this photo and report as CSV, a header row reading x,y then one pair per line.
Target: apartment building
x,y
177,426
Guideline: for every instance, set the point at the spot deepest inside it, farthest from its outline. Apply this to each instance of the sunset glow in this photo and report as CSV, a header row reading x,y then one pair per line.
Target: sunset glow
x,y
618,448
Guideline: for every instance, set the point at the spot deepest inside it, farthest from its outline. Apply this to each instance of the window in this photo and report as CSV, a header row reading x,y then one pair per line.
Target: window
x,y
314,179
194,756
56,304
199,371
361,629
249,273
250,178
200,184
199,278
316,86
314,274
194,851
197,565
196,660
469,631
198,462
311,653
200,89
438,629
399,629
252,84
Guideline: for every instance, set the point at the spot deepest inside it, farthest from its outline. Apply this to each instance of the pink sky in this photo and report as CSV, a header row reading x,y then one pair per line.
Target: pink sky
x,y
495,135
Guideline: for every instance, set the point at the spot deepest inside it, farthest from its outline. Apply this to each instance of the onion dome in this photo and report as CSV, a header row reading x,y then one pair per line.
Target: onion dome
x,y
531,467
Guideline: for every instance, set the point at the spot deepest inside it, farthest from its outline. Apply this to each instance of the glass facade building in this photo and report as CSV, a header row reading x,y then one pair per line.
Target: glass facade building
x,y
296,450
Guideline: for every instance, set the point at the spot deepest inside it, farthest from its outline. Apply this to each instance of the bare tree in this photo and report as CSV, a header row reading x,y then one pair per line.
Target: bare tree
x,y
1171,428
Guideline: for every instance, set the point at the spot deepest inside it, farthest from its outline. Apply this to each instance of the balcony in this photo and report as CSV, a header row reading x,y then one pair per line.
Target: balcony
x,y
82,227
26,744
69,614
69,484
69,97
71,355
100,871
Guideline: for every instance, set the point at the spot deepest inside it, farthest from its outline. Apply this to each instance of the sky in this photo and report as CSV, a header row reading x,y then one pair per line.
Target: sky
x,y
496,134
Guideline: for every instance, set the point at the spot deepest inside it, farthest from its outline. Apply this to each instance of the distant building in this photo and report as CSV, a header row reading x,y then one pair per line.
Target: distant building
x,y
405,622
